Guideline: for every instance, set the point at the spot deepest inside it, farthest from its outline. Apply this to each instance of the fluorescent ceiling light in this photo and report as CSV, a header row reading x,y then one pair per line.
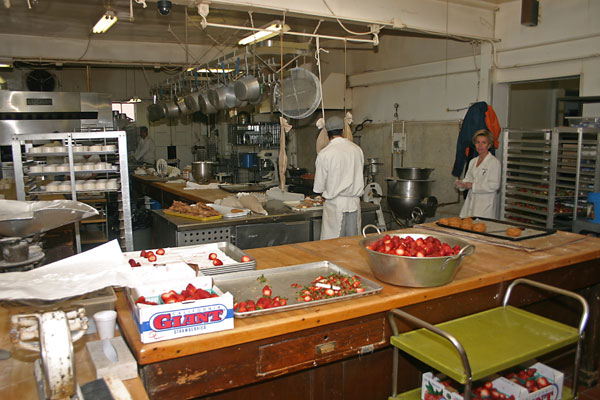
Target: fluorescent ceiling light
x,y
5,65
134,99
105,22
216,70
270,30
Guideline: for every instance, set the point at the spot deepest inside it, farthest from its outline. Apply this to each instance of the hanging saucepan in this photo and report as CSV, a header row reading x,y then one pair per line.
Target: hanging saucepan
x,y
171,109
247,88
222,97
180,101
156,112
191,99
205,105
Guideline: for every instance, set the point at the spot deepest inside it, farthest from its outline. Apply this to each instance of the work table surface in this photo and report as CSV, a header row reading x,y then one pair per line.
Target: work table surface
x,y
490,264
199,195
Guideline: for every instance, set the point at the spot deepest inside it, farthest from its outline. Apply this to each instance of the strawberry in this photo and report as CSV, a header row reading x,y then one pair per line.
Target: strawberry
x,y
484,394
360,289
495,394
307,298
542,382
276,304
283,301
151,258
267,291
140,299
217,262
212,256
133,263
246,258
488,385
191,289
143,253
531,371
329,292
167,298
160,252
242,309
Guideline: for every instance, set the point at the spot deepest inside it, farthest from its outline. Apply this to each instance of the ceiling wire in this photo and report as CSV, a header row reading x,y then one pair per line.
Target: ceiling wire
x,y
342,25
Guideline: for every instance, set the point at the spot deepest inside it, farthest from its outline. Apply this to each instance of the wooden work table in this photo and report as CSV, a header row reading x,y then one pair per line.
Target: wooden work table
x,y
17,380
164,192
278,344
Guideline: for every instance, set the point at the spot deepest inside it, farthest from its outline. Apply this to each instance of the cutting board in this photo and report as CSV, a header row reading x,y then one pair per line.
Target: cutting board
x,y
198,218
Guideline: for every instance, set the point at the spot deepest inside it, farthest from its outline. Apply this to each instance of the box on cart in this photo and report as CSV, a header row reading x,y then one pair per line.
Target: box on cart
x,y
549,376
436,386
186,318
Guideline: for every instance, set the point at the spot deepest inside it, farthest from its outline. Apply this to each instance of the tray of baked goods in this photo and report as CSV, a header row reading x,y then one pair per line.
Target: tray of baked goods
x,y
198,211
308,204
506,230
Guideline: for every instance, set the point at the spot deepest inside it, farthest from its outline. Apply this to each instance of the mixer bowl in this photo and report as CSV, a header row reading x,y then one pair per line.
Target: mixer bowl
x,y
202,171
414,173
415,271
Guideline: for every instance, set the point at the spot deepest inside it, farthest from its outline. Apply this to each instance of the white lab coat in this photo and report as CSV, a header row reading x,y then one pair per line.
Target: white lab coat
x,y
482,199
144,151
339,179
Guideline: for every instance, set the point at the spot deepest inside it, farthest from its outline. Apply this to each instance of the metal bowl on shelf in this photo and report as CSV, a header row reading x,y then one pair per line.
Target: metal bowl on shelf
x,y
415,271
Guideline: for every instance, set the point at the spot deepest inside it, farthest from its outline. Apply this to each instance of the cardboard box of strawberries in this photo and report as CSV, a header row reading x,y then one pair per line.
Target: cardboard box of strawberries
x,y
536,381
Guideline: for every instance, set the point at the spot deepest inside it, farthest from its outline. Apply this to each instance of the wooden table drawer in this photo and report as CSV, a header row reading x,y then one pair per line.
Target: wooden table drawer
x,y
361,337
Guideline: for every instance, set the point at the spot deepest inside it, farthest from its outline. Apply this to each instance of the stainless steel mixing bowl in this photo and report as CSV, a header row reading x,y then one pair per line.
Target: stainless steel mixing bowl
x,y
415,271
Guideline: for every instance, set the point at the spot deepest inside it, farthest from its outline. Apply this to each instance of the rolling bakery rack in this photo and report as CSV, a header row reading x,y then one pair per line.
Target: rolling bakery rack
x,y
31,159
473,347
547,175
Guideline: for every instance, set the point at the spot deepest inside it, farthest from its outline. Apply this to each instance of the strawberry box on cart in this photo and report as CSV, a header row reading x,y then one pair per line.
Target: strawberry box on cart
x,y
178,308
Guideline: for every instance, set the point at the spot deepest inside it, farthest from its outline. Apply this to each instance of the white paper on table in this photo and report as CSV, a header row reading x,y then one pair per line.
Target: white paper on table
x,y
82,273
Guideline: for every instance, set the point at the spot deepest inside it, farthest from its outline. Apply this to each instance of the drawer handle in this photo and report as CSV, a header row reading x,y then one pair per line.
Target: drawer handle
x,y
325,348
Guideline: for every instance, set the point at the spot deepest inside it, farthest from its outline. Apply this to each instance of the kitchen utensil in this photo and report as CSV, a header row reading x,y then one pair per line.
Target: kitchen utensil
x,y
222,97
171,108
298,95
205,105
415,271
414,173
156,112
202,170
247,88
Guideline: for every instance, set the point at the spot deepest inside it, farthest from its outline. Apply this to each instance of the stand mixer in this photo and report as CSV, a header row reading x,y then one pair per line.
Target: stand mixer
x,y
373,192
269,171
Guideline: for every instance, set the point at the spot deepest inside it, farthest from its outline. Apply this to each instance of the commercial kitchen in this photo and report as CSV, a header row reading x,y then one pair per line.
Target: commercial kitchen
x,y
199,272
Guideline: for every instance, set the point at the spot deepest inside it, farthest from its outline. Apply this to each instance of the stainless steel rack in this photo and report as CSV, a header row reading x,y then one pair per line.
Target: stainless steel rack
x,y
28,188
547,175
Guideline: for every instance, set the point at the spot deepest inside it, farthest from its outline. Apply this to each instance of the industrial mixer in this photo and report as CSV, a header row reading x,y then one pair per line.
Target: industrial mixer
x,y
22,224
409,196
373,192
269,171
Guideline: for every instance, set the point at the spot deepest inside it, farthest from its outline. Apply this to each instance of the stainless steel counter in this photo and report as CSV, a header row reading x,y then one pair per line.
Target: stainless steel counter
x,y
281,226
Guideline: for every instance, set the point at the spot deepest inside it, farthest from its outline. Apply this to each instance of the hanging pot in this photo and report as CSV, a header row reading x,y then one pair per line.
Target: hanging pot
x,y
205,105
247,88
222,97
180,100
171,109
191,102
156,112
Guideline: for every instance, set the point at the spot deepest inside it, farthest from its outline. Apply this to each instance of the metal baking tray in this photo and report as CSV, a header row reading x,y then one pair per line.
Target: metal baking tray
x,y
194,253
497,229
248,285
243,187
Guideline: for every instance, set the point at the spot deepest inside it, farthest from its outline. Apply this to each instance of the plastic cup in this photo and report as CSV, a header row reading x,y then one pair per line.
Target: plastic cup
x,y
106,322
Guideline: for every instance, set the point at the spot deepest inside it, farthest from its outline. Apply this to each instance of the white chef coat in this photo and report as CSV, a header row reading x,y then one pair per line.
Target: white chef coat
x,y
482,199
144,151
339,179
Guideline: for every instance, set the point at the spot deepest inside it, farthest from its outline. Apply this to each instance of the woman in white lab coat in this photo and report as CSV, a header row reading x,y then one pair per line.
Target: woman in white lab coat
x,y
482,179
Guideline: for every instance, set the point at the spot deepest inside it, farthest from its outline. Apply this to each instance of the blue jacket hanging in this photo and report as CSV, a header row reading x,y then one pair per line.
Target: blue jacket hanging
x,y
474,121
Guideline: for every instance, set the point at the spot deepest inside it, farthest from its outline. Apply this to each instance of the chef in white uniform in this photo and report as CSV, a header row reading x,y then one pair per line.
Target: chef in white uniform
x,y
482,179
339,179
